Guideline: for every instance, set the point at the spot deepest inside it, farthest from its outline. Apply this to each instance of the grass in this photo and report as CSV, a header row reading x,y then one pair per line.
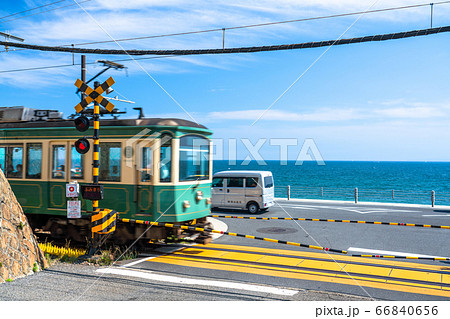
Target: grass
x,y
66,254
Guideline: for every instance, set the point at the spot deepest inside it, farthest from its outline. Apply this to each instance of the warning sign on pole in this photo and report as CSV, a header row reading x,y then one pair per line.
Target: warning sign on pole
x,y
72,190
73,209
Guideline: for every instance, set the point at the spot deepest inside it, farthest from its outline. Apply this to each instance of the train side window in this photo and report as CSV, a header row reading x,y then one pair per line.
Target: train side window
x,y
146,167
34,161
165,169
76,165
59,161
110,161
14,162
2,158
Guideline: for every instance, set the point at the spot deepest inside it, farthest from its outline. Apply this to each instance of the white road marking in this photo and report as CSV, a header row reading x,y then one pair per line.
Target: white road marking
x,y
301,207
361,210
386,252
197,282
436,215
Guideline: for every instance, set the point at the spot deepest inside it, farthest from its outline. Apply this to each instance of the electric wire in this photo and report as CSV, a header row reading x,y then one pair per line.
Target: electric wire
x,y
266,48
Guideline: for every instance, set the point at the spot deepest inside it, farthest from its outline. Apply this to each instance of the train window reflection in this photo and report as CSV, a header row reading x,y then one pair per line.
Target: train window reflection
x,y
2,158
146,167
165,169
110,158
194,158
11,161
34,160
76,165
59,162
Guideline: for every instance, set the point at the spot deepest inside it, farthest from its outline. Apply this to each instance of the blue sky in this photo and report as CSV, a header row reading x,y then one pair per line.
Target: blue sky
x,y
372,101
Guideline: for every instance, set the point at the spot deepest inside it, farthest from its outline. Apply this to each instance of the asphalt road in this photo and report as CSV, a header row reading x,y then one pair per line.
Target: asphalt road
x,y
343,236
235,268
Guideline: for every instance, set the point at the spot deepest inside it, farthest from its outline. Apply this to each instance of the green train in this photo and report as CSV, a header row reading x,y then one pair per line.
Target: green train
x,y
152,169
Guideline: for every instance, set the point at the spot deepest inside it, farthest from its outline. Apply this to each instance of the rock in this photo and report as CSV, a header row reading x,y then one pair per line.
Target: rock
x,y
19,251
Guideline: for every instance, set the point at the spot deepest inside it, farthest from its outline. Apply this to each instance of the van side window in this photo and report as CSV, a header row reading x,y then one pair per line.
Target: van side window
x,y
268,181
251,182
235,182
217,182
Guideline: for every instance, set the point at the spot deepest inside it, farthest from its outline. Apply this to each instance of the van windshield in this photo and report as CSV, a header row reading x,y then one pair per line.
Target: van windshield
x,y
268,181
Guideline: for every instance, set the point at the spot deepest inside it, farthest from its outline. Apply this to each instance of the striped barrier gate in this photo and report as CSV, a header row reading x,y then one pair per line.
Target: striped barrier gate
x,y
333,221
339,251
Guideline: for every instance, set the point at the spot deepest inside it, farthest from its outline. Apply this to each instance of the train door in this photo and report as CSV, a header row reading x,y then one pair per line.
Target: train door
x,y
144,178
58,171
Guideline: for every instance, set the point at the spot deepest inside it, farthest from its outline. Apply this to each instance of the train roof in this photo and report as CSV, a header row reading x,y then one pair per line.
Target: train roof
x,y
105,122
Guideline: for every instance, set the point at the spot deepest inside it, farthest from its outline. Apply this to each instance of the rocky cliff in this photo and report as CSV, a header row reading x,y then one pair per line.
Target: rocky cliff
x,y
20,254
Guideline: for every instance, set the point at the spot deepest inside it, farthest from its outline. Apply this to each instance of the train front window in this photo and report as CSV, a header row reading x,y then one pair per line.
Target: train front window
x,y
34,160
165,169
110,160
194,158
59,162
76,165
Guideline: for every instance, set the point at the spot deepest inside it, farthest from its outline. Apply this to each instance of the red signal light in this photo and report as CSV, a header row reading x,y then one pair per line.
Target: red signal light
x,y
82,145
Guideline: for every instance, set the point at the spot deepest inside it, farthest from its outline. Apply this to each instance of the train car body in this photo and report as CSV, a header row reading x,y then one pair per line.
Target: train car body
x,y
152,169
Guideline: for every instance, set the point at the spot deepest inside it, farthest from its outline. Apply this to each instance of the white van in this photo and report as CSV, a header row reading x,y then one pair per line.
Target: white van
x,y
251,190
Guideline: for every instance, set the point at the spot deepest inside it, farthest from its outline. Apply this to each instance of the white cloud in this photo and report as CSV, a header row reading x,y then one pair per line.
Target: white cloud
x,y
322,115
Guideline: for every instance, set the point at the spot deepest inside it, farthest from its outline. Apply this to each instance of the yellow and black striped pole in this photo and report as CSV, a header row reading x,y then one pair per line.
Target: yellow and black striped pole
x,y
95,166
96,152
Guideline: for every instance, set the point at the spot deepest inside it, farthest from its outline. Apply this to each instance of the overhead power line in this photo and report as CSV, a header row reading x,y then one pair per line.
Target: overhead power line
x,y
2,21
339,15
78,64
296,46
32,9
221,29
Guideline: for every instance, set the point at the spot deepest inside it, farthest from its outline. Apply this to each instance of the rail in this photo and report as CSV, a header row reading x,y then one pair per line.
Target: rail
x,y
363,194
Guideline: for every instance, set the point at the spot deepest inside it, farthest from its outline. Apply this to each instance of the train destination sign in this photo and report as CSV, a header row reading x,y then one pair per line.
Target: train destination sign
x,y
92,192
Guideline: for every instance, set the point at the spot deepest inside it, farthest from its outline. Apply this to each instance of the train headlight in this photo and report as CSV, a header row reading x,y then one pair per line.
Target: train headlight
x,y
199,196
186,204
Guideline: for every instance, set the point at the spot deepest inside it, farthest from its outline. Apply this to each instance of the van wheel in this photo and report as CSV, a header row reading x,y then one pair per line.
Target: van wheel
x,y
253,208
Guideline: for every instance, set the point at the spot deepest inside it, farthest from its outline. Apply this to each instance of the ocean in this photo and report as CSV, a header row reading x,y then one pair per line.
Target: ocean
x,y
393,182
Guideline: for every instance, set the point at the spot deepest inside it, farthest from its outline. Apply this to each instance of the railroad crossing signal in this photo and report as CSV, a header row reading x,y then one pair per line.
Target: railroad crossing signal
x,y
82,123
82,145
94,95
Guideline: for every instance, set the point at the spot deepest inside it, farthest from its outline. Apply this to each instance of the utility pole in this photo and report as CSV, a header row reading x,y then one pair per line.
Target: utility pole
x,y
10,37
83,74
